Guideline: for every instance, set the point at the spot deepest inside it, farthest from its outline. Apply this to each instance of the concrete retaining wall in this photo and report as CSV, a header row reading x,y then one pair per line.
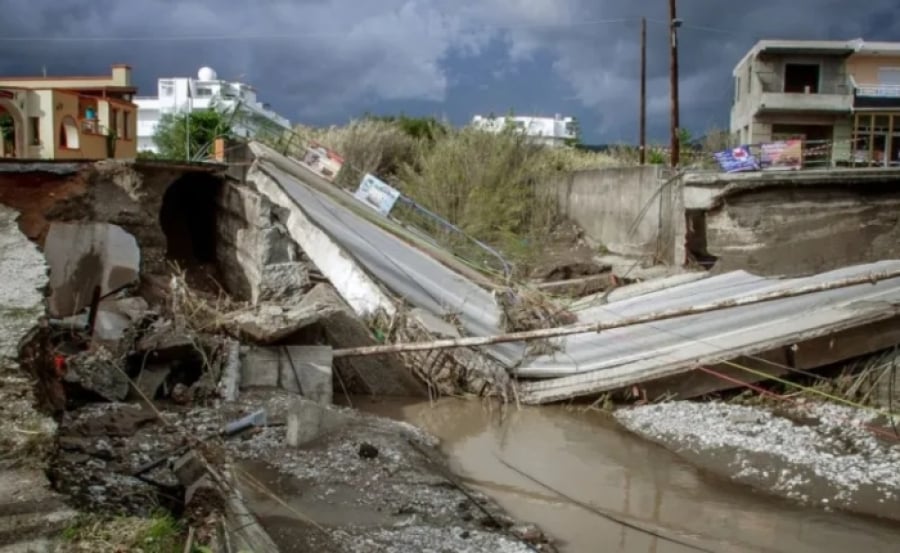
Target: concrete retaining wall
x,y
799,222
629,210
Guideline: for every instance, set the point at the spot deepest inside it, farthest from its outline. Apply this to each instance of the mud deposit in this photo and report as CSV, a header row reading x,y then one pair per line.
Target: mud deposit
x,y
592,460
353,482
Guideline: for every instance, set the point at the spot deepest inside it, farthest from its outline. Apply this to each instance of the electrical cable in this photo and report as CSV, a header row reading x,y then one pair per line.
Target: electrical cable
x,y
599,512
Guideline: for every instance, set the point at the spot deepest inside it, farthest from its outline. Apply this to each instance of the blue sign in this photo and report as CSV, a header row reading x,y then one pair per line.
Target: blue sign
x,y
377,194
737,160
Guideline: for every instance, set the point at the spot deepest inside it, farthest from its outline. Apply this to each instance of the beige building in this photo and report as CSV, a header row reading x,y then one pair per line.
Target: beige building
x,y
840,97
68,117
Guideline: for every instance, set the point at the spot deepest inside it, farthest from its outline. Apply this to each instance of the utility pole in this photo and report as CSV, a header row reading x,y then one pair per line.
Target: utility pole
x,y
643,131
674,23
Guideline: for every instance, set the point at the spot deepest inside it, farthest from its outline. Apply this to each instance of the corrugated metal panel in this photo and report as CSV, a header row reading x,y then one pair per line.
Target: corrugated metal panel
x,y
592,363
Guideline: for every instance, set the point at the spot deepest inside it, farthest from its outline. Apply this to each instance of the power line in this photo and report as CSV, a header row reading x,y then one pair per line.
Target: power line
x,y
300,34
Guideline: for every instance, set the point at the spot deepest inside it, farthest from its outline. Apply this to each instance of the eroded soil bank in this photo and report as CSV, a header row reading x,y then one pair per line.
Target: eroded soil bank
x,y
592,459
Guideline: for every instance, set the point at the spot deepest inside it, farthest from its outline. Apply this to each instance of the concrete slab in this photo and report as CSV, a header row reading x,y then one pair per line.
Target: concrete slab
x,y
83,256
260,367
307,370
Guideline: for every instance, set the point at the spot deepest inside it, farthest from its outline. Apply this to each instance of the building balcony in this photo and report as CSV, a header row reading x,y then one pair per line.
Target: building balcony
x,y
772,102
877,96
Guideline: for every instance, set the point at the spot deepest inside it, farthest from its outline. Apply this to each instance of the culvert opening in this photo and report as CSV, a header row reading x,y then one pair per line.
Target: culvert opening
x,y
188,219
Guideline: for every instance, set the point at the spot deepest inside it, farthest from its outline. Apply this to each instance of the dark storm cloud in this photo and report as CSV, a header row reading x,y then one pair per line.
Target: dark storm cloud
x,y
323,59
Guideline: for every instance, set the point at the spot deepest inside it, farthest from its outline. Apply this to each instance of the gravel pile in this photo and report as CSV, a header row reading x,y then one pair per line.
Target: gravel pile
x,y
813,453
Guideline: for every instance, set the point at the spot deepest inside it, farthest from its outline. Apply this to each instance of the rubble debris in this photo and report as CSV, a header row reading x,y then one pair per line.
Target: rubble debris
x,y
98,371
367,451
338,326
816,453
85,256
151,379
260,261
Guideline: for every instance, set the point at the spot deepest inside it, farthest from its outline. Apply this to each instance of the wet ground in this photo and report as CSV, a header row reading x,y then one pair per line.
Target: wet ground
x,y
593,461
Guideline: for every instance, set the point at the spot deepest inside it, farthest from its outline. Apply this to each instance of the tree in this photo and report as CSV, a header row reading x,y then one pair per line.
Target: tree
x,y
171,133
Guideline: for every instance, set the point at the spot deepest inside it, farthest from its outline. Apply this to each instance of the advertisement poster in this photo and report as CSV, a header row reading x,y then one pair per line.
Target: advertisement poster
x,y
736,160
377,194
323,161
784,155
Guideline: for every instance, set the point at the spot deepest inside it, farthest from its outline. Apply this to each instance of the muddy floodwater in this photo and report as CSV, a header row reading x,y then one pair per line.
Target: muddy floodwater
x,y
591,460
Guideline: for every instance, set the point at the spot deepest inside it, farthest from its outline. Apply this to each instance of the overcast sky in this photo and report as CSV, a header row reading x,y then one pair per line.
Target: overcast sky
x,y
326,61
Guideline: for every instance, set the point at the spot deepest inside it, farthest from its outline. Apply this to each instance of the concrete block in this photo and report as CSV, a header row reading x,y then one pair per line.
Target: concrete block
x,y
307,420
260,368
310,366
83,256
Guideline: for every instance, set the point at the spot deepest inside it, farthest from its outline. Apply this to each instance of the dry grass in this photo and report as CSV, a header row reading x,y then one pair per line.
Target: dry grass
x,y
92,534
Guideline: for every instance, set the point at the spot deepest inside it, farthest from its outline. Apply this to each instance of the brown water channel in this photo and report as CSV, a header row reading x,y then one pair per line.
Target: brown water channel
x,y
589,458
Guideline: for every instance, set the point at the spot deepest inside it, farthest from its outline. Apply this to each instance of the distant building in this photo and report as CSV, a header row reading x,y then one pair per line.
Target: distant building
x,y
552,131
68,117
183,94
842,95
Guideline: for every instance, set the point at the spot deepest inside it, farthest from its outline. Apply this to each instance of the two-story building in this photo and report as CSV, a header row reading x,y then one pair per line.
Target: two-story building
x,y
840,97
184,94
68,117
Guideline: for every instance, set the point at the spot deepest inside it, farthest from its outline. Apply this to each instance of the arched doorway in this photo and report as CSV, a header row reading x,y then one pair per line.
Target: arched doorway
x,y
12,130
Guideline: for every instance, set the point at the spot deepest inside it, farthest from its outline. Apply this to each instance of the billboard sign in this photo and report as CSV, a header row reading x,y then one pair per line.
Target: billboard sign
x,y
784,155
377,194
737,160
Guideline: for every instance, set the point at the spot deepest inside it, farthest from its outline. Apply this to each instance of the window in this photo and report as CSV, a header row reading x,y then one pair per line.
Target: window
x,y
801,77
204,92
749,77
166,89
737,89
68,134
126,125
34,123
114,121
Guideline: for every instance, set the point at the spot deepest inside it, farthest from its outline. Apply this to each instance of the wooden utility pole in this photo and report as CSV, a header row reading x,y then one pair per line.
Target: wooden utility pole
x,y
643,131
673,82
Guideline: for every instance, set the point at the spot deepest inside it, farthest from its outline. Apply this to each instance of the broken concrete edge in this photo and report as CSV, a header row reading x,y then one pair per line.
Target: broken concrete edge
x,y
359,290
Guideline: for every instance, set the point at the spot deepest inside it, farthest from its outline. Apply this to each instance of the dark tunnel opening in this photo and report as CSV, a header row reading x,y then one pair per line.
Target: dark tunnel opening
x,y
188,219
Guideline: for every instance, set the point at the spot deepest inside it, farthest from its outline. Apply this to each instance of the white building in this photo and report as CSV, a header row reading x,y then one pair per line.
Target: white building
x,y
552,131
181,94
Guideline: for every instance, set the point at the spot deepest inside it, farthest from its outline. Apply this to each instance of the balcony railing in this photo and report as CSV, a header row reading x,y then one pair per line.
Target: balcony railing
x,y
774,82
878,90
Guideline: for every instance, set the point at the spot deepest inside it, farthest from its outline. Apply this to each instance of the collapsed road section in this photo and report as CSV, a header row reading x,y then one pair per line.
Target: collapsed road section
x,y
168,345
